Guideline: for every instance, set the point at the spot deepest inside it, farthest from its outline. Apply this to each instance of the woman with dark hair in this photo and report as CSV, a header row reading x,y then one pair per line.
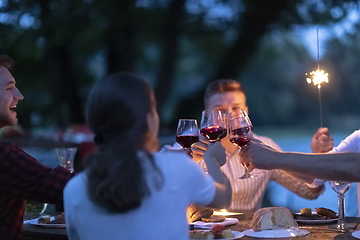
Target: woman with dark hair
x,y
126,190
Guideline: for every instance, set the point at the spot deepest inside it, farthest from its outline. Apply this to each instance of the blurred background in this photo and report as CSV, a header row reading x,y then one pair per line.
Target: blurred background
x,y
62,48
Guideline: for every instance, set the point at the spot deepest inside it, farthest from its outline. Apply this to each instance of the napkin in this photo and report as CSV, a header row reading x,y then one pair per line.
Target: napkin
x,y
208,225
27,221
35,220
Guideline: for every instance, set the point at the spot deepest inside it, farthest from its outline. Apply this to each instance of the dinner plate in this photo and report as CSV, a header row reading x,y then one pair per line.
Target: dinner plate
x,y
208,225
236,235
316,221
356,234
311,221
280,233
50,225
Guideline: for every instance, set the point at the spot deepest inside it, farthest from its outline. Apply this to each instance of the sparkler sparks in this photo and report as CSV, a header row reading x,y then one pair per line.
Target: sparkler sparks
x,y
317,77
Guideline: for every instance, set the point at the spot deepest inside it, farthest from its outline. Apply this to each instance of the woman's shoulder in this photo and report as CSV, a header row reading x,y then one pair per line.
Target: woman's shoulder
x,y
173,154
76,182
175,159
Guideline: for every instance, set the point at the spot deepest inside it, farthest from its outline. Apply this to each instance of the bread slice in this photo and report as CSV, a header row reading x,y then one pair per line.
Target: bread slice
x,y
214,218
195,213
326,212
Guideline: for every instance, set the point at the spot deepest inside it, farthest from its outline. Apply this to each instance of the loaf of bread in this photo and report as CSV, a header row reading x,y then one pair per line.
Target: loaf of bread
x,y
195,213
272,218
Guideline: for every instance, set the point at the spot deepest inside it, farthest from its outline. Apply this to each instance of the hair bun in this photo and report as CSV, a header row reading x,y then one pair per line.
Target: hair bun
x,y
99,138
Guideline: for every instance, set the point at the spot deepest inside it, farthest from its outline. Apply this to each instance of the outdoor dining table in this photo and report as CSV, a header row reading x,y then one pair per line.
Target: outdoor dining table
x,y
319,231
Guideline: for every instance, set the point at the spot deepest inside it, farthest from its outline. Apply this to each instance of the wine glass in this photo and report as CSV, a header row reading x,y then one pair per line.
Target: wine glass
x,y
66,157
225,118
187,133
340,188
213,125
240,133
34,209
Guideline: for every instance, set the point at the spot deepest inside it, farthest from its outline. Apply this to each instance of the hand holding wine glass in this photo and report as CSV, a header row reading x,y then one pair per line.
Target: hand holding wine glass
x,y
240,133
187,133
213,125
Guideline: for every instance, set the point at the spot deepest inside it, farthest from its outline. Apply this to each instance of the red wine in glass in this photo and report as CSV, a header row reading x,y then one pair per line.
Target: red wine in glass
x,y
187,133
240,133
213,133
186,141
240,141
213,125
224,134
241,136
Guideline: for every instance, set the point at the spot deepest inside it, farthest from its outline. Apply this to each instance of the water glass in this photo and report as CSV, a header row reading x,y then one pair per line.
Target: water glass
x,y
66,157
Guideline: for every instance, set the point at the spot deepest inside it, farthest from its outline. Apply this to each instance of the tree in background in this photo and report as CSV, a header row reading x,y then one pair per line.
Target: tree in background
x,y
63,47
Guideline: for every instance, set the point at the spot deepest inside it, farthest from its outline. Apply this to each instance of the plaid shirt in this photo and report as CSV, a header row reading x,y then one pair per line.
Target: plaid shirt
x,y
23,177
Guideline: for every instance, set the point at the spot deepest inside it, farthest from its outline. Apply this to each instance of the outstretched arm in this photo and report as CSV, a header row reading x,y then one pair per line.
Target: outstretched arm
x,y
300,188
212,156
330,166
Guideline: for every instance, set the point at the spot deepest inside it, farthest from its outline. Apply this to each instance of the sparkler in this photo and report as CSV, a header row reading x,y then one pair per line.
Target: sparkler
x,y
318,77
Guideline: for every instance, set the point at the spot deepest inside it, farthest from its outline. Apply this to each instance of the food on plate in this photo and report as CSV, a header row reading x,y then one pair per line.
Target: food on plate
x,y
309,217
218,231
44,219
321,214
60,219
196,234
195,213
272,218
305,211
326,212
227,234
214,218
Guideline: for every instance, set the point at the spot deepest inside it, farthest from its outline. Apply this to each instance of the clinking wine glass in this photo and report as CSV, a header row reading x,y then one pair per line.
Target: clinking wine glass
x,y
66,157
240,133
225,118
340,188
187,133
213,125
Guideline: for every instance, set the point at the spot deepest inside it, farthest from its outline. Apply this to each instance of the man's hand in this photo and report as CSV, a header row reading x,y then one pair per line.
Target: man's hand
x,y
199,148
321,142
217,151
257,155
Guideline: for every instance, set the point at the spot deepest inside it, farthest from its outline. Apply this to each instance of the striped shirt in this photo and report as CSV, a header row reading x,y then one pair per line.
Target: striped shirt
x,y
248,193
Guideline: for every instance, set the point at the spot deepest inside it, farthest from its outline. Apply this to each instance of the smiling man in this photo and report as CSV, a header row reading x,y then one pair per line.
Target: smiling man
x,y
227,95
22,177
